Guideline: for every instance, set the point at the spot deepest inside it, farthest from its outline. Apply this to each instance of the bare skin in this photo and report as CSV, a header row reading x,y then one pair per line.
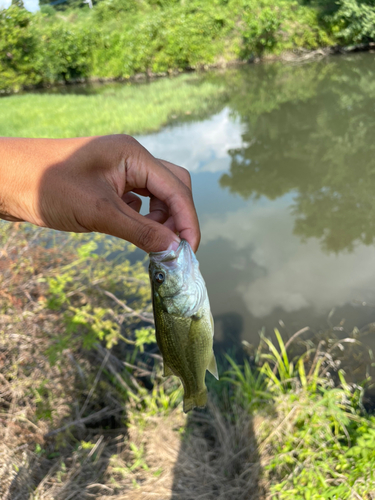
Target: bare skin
x,y
91,184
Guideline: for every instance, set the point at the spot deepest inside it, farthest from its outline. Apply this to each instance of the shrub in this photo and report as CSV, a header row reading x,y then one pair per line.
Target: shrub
x,y
171,39
18,45
65,51
262,27
354,21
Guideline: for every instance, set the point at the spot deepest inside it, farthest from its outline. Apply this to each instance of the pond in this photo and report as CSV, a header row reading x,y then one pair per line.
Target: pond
x,y
284,183
282,158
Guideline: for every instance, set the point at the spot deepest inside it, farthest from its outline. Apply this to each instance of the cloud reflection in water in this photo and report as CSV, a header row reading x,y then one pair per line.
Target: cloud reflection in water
x,y
295,275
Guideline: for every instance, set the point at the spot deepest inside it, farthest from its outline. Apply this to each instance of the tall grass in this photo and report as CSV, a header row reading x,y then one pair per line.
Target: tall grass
x,y
317,440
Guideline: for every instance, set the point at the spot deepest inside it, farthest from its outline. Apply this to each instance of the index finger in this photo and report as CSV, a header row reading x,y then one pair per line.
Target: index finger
x,y
145,171
158,209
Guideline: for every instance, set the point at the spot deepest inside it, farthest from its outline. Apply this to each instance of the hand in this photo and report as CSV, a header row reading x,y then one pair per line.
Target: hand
x,y
91,184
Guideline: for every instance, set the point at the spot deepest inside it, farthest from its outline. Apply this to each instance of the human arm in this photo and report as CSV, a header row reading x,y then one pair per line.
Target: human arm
x,y
91,184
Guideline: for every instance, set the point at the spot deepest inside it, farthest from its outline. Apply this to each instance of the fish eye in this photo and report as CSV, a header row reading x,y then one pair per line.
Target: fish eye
x,y
159,277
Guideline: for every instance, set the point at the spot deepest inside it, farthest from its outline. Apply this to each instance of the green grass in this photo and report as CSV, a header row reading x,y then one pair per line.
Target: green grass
x,y
317,441
281,425
131,109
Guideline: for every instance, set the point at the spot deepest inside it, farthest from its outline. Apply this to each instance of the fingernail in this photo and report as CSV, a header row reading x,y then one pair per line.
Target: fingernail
x,y
174,245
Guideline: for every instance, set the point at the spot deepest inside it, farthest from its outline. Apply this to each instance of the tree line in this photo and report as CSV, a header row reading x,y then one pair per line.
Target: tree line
x,y
120,38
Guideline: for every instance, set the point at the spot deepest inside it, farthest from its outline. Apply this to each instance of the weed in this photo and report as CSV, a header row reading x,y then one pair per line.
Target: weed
x,y
318,428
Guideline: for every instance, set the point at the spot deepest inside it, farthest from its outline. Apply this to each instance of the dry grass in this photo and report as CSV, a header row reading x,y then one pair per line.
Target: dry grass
x,y
218,459
203,456
70,431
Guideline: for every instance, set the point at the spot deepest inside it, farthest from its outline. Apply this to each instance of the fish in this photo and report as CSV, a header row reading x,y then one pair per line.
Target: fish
x,y
184,326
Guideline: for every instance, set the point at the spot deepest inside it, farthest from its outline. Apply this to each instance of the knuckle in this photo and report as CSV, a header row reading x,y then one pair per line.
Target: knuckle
x,y
187,193
186,177
148,237
130,140
129,146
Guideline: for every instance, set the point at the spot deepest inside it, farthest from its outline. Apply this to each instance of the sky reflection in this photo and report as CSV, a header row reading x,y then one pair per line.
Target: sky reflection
x,y
284,186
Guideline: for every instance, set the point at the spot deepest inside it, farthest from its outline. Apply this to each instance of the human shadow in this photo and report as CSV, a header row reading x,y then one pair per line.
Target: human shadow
x,y
218,457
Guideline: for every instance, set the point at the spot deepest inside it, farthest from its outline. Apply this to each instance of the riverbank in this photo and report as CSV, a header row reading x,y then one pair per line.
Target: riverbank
x,y
85,410
106,109
146,107
299,55
110,42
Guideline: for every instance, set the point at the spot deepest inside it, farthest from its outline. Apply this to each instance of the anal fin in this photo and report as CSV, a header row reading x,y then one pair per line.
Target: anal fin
x,y
212,366
167,371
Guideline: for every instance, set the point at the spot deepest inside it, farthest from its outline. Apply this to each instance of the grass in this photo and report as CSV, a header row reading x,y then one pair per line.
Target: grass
x,y
129,108
85,412
318,442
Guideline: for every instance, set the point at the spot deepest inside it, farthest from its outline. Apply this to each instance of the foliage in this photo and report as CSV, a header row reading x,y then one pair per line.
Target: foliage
x,y
174,38
322,454
271,27
48,10
251,384
118,39
263,22
17,48
107,10
320,443
64,52
349,21
354,21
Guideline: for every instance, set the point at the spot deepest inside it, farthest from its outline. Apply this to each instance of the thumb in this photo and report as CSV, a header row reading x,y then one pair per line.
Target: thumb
x,y
123,222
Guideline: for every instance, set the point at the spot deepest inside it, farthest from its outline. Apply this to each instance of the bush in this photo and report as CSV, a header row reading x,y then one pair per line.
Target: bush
x,y
47,10
18,46
263,22
271,27
171,39
107,10
121,38
65,52
354,21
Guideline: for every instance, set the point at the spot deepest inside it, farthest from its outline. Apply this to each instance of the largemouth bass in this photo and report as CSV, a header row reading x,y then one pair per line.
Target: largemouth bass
x,y
183,321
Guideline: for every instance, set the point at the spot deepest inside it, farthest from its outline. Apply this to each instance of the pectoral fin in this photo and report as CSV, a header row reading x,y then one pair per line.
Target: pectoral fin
x,y
212,367
167,371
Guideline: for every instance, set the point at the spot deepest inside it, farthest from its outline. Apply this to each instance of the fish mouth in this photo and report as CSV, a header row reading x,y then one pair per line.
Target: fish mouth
x,y
169,255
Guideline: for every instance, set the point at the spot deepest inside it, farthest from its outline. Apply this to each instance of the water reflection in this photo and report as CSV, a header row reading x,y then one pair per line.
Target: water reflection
x,y
319,145
202,146
284,182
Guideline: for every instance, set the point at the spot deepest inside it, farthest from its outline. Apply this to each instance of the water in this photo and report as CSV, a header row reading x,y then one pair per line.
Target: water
x,y
284,184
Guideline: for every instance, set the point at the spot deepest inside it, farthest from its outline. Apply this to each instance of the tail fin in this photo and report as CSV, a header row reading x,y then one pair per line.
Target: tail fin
x,y
198,399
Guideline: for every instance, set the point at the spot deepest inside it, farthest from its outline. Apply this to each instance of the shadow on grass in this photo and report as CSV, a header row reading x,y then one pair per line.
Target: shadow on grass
x,y
69,430
218,458
73,457
210,454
